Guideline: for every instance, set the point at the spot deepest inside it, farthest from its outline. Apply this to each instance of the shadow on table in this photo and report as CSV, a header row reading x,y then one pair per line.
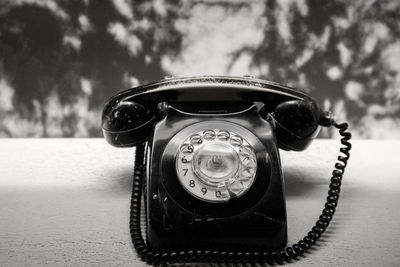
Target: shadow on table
x,y
300,182
117,179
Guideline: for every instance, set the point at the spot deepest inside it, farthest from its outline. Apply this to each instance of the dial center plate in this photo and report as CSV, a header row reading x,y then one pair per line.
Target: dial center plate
x,y
213,162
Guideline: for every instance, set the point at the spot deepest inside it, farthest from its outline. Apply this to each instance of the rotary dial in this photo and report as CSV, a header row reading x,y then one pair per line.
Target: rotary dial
x,y
216,165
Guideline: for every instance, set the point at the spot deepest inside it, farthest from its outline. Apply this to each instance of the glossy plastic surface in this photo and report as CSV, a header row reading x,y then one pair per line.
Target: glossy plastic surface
x,y
296,123
130,116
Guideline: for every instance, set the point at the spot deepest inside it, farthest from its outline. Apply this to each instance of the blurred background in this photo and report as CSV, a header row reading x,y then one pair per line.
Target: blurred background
x,y
61,60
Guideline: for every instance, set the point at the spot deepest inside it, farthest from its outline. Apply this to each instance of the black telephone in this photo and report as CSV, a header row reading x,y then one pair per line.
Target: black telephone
x,y
207,161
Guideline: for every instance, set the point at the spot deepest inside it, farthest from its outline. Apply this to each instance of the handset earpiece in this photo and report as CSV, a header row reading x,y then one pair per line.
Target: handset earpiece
x,y
128,123
296,123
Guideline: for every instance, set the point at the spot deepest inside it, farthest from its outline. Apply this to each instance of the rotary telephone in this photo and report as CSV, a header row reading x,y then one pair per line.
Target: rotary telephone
x,y
207,166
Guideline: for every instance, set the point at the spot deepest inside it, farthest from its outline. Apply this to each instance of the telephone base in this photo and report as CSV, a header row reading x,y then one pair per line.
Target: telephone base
x,y
176,219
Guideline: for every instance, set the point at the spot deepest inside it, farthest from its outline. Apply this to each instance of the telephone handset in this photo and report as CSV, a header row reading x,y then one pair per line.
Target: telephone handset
x,y
208,163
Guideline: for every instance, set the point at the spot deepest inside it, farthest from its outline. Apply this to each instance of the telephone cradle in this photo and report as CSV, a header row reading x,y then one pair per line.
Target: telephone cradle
x,y
207,167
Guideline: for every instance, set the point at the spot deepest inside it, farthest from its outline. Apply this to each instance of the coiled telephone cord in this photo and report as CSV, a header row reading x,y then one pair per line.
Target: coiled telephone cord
x,y
226,255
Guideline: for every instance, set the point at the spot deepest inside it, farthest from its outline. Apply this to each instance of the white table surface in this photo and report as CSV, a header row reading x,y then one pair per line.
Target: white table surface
x,y
65,202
